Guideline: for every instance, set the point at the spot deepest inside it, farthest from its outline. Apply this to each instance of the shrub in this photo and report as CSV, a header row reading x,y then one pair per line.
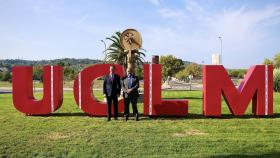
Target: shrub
x,y
237,73
276,80
6,76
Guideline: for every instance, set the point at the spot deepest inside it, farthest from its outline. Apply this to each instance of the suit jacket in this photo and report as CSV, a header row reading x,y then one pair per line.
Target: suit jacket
x,y
134,86
112,87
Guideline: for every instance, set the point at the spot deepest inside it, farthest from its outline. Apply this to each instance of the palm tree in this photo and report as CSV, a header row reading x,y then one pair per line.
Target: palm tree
x,y
116,54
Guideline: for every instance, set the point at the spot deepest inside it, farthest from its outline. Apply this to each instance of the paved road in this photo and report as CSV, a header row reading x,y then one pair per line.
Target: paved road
x,y
174,86
177,85
7,90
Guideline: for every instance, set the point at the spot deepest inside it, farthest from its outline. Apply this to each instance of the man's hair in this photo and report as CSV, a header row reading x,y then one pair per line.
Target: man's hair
x,y
113,66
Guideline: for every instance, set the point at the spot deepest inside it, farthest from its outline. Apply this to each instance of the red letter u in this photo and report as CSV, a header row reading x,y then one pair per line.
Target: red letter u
x,y
23,98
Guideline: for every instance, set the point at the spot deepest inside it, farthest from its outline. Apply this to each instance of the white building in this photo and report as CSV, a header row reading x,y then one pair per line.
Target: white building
x,y
216,59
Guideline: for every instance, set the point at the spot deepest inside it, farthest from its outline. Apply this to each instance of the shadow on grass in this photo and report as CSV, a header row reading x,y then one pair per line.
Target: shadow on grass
x,y
143,117
271,154
188,98
248,116
68,114
200,116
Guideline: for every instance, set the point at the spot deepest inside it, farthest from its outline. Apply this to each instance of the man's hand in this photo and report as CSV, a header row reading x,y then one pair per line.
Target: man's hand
x,y
104,95
129,90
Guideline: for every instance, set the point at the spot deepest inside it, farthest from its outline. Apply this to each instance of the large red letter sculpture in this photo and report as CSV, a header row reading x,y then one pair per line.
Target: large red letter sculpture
x,y
153,104
23,98
256,86
83,89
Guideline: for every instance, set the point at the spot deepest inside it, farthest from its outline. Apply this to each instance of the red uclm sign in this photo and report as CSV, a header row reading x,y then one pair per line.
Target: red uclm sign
x,y
257,87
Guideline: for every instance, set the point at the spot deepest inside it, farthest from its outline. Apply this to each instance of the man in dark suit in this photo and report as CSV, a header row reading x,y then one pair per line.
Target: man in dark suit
x,y
130,85
111,90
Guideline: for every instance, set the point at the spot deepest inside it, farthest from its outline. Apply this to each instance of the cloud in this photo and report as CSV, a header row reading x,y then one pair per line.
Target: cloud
x,y
244,27
188,29
193,6
171,13
245,19
84,18
156,2
195,30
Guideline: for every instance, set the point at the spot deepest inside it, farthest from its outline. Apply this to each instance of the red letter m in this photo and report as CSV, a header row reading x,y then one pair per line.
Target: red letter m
x,y
256,86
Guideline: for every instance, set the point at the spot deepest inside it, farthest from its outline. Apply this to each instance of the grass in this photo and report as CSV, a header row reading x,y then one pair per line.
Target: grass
x,y
71,133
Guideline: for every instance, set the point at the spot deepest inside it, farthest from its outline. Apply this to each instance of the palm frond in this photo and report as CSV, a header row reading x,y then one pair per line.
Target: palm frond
x,y
115,53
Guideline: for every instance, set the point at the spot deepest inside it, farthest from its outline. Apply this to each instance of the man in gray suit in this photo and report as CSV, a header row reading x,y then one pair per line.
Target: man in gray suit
x,y
130,85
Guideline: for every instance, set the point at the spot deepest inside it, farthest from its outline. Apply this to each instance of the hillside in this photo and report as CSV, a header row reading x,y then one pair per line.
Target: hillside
x,y
8,63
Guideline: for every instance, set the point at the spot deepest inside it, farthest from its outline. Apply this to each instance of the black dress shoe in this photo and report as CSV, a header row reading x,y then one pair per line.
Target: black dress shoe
x,y
136,117
126,118
115,118
109,119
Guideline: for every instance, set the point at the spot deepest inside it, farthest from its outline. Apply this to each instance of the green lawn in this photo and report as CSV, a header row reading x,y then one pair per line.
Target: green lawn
x,y
70,133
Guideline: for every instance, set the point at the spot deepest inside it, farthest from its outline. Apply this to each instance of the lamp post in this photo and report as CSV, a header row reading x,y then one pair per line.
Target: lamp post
x,y
220,37
105,47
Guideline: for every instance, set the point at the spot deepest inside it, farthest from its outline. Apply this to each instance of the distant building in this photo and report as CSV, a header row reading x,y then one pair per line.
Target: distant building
x,y
216,59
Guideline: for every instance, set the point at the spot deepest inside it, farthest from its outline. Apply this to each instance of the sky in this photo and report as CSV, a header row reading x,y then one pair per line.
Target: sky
x,y
187,29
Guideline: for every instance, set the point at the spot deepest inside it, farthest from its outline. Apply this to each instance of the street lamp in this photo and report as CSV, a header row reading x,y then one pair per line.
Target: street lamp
x,y
221,49
104,51
104,45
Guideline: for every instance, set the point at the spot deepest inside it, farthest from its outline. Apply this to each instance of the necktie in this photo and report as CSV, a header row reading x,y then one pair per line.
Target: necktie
x,y
129,82
111,77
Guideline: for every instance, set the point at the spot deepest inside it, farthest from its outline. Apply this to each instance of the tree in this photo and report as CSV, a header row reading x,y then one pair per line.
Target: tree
x,y
116,54
170,65
276,60
69,73
182,75
237,73
276,80
194,69
139,72
190,69
38,73
61,63
267,62
6,76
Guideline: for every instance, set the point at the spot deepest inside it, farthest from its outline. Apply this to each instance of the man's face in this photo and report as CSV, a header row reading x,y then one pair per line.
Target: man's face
x,y
112,69
128,72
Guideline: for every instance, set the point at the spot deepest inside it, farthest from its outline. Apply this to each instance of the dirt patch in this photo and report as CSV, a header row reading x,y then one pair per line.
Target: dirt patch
x,y
57,136
190,132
